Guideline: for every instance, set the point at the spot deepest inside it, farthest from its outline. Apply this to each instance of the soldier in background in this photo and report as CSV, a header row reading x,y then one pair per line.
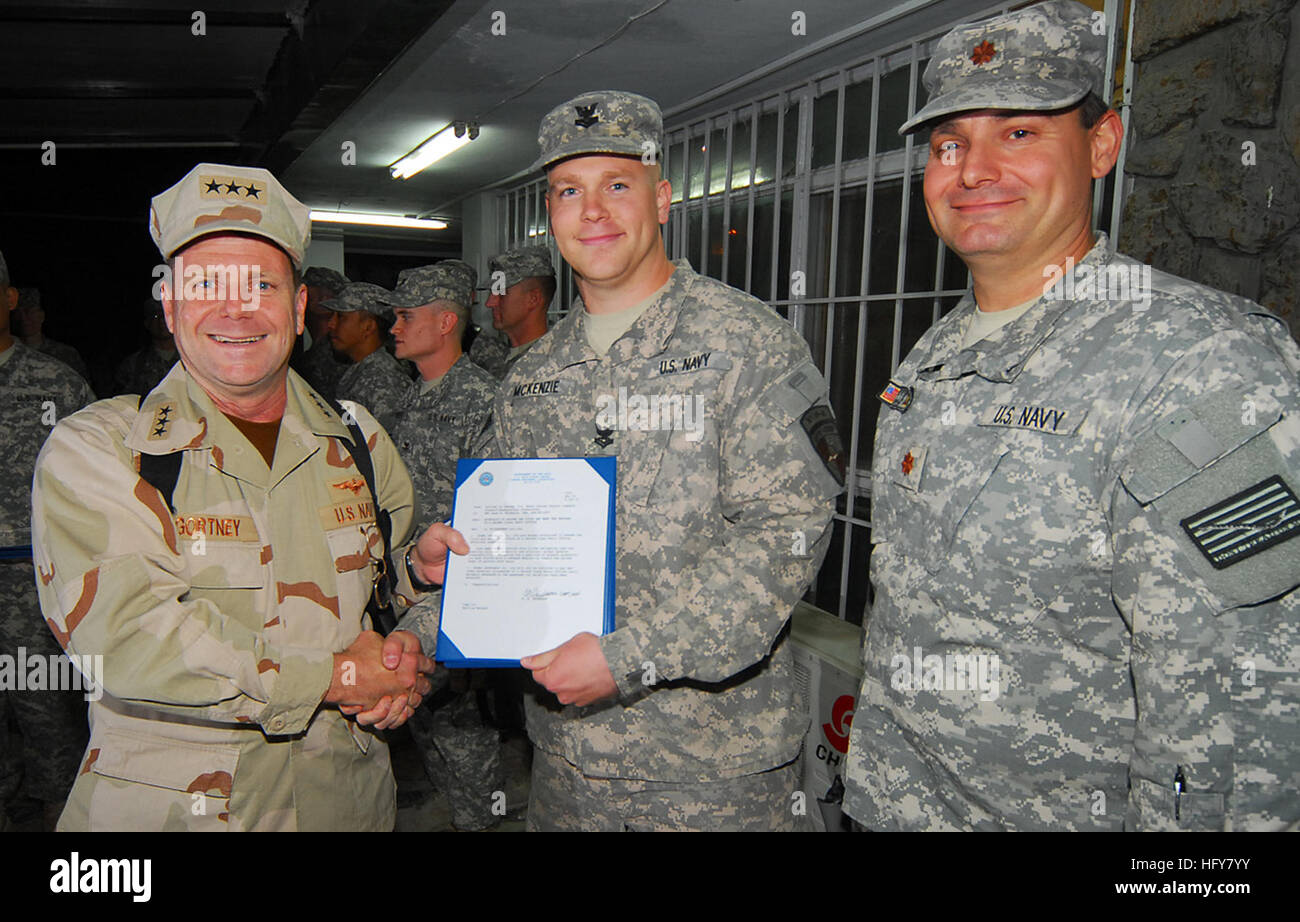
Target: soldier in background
x,y
487,349
1085,525
522,283
39,761
140,372
29,326
439,416
318,364
685,716
374,379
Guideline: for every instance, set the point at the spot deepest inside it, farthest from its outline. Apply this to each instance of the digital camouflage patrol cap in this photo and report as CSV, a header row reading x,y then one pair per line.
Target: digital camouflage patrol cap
x,y
439,282
215,198
1046,56
360,296
522,263
325,278
601,122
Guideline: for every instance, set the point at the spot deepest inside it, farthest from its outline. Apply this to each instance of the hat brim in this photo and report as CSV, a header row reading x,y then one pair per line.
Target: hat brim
x,y
237,227
1021,93
583,148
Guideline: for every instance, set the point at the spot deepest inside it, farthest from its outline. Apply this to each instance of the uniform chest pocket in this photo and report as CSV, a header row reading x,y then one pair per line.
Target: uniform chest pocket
x,y
223,564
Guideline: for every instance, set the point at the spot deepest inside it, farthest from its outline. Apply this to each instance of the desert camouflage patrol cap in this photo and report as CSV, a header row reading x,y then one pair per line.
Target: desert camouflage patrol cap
x,y
360,296
522,263
601,122
215,197
323,277
439,282
1046,56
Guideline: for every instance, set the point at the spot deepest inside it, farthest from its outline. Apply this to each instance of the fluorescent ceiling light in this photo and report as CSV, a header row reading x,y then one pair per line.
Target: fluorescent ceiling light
x,y
450,139
378,220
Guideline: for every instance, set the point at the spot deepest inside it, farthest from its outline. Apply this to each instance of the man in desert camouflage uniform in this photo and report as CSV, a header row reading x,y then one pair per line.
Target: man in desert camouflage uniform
x,y
318,365
522,284
38,765
231,624
685,716
356,329
438,417
1085,518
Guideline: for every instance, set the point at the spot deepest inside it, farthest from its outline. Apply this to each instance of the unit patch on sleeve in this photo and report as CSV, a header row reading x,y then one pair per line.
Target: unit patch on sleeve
x,y
819,423
1245,524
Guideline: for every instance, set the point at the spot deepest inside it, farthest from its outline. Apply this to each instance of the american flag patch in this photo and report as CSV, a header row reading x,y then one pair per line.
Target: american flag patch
x,y
1245,524
896,396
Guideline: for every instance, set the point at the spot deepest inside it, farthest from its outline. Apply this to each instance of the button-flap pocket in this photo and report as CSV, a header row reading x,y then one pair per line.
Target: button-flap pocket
x,y
224,565
172,764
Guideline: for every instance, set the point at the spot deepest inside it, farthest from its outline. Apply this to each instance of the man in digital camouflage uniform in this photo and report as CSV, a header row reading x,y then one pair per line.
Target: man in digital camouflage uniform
x,y
236,657
318,364
685,716
522,284
1084,517
437,418
29,326
37,765
140,372
358,320
486,348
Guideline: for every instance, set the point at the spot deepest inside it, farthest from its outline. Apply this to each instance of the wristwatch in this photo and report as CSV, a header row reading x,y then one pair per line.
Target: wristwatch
x,y
416,582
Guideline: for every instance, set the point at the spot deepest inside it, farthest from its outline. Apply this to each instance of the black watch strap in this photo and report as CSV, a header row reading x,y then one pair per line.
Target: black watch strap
x,y
416,582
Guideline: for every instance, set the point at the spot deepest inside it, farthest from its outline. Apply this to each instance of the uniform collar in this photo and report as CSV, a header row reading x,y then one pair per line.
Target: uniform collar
x,y
648,337
1003,355
178,415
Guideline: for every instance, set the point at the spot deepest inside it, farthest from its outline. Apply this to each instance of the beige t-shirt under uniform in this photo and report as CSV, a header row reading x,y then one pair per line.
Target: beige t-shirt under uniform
x,y
983,324
604,329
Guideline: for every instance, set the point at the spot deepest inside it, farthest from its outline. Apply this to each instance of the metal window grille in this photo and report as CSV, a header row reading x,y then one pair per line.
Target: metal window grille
x,y
808,199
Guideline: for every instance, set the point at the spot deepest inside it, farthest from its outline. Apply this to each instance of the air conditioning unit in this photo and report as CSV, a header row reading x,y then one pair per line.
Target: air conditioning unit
x,y
828,674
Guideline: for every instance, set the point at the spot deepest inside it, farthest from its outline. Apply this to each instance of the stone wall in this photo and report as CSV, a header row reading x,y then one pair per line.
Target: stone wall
x,y
1214,149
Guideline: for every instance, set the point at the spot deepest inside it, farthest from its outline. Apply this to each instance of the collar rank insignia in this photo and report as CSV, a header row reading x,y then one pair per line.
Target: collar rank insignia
x,y
604,437
161,422
896,397
586,115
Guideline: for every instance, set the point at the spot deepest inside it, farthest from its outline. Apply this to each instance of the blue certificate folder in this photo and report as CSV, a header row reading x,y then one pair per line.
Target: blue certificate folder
x,y
475,473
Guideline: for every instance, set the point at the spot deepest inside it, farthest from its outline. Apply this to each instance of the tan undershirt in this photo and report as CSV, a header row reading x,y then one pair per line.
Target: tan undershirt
x,y
983,324
604,329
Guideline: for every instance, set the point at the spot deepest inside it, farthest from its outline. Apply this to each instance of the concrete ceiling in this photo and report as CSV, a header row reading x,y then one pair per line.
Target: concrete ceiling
x,y
670,50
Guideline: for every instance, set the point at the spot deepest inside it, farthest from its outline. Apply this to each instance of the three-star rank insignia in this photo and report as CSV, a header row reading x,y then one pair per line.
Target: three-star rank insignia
x,y
586,115
161,422
896,397
230,188
982,53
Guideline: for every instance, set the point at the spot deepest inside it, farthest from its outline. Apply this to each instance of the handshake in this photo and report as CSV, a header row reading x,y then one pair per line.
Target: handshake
x,y
380,681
